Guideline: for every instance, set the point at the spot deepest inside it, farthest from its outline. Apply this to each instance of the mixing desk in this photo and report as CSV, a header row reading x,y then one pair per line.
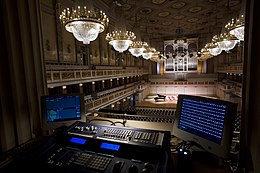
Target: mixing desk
x,y
92,148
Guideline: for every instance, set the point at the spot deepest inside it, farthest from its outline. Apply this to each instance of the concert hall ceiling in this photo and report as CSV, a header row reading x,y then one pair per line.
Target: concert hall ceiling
x,y
161,20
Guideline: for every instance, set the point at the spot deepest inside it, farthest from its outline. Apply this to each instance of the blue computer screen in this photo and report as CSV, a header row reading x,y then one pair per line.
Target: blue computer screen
x,y
62,108
203,118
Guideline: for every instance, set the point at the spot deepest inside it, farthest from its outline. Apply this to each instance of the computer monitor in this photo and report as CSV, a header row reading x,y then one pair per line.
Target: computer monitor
x,y
205,121
61,110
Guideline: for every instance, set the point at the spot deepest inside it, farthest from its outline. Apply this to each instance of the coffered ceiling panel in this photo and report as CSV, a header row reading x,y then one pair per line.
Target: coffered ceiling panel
x,y
161,20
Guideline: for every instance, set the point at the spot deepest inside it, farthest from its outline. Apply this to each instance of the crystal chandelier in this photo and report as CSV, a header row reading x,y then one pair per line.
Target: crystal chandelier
x,y
225,41
203,55
83,23
213,48
137,48
157,57
120,40
148,53
237,27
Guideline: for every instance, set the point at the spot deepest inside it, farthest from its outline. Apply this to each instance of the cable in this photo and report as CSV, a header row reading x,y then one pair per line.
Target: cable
x,y
111,122
114,123
97,119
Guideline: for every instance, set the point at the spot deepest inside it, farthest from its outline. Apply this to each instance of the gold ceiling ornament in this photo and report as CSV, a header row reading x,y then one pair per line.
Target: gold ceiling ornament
x,y
85,22
237,27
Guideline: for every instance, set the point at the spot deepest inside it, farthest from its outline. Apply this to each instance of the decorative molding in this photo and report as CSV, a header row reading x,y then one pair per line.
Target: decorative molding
x,y
68,77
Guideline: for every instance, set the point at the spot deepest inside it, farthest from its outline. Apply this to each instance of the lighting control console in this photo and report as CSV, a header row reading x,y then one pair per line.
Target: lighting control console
x,y
94,148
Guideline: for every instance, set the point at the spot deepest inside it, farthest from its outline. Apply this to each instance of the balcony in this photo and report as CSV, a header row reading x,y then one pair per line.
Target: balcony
x,y
232,68
104,99
58,76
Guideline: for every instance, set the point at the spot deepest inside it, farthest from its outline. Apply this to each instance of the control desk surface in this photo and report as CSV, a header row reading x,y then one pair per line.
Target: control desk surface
x,y
92,148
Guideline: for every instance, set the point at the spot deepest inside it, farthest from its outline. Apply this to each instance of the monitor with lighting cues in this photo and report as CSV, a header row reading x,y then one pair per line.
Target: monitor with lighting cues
x,y
207,122
61,110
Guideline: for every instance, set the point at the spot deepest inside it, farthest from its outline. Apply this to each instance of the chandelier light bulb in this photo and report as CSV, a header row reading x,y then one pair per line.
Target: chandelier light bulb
x,y
120,45
213,49
204,55
85,25
239,32
136,51
225,41
237,27
137,48
156,57
120,40
85,31
148,53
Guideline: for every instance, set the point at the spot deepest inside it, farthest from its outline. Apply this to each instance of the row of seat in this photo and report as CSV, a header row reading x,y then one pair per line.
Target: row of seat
x,y
151,111
138,118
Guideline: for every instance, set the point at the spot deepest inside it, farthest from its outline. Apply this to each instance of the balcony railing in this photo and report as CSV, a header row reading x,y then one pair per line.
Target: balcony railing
x,y
70,76
232,68
183,83
109,98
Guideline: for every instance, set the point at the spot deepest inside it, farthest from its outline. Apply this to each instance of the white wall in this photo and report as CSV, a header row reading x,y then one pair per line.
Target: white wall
x,y
183,89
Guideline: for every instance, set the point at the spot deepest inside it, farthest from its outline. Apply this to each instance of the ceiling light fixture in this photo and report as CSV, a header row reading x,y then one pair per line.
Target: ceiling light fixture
x,y
213,48
157,57
225,41
148,53
85,23
137,48
120,40
203,55
237,27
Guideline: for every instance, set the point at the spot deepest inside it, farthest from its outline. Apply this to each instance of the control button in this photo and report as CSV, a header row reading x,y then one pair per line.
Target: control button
x,y
117,167
92,128
148,166
133,169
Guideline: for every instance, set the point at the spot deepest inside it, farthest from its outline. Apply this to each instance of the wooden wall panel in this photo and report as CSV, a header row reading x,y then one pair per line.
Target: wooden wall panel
x,y
103,49
95,52
49,34
68,47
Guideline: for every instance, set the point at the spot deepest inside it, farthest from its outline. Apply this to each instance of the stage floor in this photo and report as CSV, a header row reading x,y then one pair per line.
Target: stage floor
x,y
169,103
